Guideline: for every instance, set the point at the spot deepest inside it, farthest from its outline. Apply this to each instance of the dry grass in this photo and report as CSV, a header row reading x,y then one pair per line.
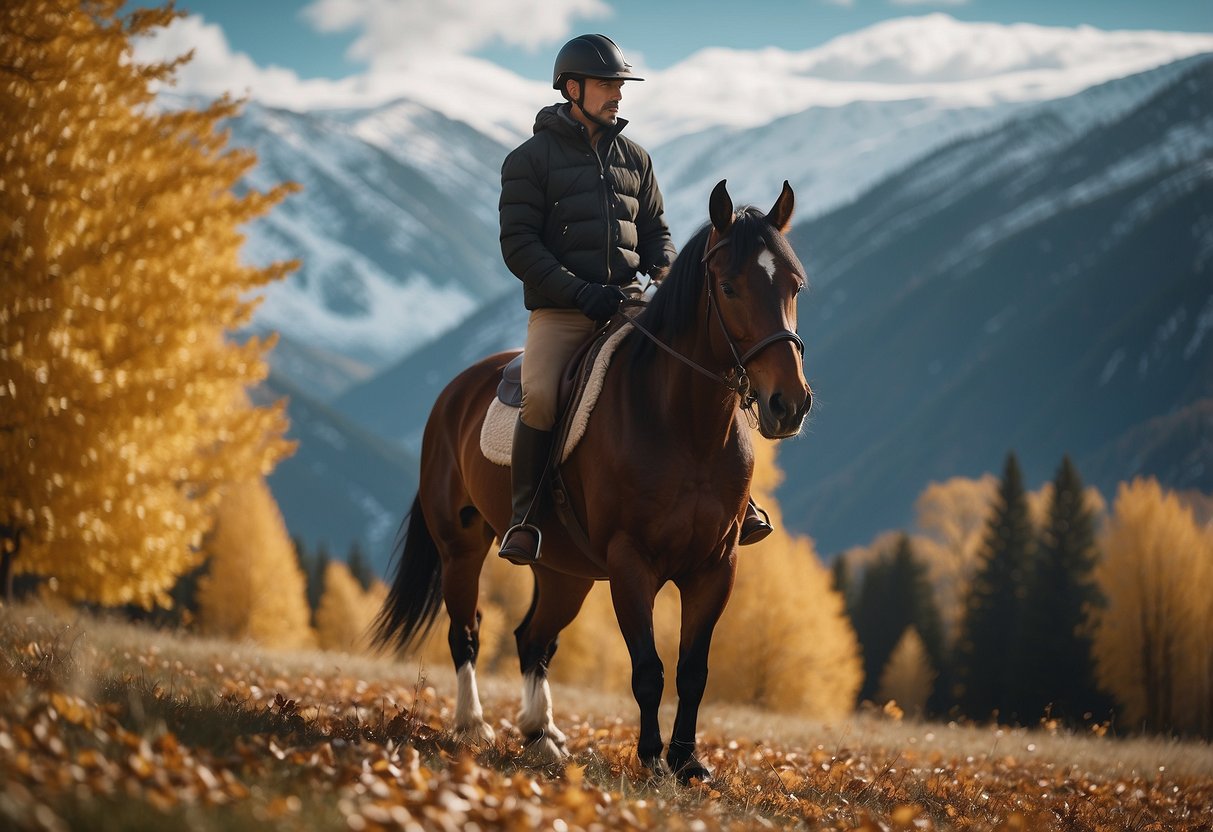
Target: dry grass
x,y
104,725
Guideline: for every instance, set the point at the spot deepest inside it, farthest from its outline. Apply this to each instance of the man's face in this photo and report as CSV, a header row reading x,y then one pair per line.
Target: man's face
x,y
602,98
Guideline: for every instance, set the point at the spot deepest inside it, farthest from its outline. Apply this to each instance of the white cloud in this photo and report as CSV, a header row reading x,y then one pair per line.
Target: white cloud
x,y
398,33
847,3
934,56
503,104
929,2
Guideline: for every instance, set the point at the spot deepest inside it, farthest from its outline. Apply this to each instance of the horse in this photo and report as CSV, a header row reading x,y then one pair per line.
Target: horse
x,y
659,481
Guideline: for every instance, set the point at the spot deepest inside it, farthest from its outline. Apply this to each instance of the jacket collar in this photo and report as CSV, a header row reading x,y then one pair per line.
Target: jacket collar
x,y
559,119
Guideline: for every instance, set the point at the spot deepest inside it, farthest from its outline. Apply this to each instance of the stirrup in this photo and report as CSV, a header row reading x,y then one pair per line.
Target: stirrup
x,y
760,528
519,527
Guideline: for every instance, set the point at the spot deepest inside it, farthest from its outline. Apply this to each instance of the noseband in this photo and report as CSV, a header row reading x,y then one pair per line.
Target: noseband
x,y
736,379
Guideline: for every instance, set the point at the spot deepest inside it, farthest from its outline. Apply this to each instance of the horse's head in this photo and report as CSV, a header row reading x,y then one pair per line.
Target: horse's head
x,y
753,279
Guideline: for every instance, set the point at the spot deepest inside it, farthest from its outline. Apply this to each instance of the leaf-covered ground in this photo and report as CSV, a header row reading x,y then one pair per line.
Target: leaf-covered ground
x,y
108,726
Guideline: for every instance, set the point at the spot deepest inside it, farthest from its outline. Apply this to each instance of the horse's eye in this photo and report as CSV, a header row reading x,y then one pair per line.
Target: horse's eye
x,y
729,291
800,288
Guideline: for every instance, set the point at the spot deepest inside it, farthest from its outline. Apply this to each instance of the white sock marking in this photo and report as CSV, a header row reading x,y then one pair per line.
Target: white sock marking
x,y
536,705
468,713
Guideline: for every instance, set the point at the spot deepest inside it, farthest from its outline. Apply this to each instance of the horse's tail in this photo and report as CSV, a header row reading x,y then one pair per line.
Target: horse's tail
x,y
416,595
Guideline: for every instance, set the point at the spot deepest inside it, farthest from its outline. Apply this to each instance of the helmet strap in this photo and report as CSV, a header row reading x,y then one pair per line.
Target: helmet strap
x,y
580,102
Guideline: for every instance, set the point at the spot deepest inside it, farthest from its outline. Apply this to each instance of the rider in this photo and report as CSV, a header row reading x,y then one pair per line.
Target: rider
x,y
560,189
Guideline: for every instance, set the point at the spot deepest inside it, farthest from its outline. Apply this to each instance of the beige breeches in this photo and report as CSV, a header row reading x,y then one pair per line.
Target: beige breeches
x,y
552,336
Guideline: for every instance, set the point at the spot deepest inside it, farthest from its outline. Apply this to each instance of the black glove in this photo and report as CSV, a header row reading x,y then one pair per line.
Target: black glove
x,y
598,301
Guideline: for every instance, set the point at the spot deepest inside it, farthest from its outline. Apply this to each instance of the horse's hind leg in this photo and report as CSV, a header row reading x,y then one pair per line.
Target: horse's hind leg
x,y
555,604
465,549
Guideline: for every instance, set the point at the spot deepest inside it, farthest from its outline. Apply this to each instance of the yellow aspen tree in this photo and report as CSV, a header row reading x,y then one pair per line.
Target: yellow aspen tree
x,y
784,641
254,587
908,677
952,514
1153,639
346,610
122,404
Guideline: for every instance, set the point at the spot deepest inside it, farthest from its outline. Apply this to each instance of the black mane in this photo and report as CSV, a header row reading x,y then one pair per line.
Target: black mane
x,y
673,309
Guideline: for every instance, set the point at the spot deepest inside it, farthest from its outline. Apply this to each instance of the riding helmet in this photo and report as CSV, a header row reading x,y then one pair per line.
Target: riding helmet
x,y
591,56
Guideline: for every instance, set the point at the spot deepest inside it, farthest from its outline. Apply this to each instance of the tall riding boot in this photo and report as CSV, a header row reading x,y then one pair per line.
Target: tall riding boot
x,y
756,524
529,459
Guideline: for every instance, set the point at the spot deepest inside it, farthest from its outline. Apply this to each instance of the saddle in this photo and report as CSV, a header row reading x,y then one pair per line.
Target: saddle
x,y
580,384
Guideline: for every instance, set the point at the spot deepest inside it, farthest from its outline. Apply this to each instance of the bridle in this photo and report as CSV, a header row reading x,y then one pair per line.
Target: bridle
x,y
736,378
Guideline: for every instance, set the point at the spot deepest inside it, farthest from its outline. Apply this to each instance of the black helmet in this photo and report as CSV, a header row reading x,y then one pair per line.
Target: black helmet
x,y
590,56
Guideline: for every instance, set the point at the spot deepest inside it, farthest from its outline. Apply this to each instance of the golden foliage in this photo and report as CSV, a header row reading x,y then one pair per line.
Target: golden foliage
x,y
255,588
121,404
346,610
1153,642
908,677
784,641
952,516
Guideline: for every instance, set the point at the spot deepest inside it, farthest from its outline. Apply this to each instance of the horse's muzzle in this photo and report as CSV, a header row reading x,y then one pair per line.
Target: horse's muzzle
x,y
781,416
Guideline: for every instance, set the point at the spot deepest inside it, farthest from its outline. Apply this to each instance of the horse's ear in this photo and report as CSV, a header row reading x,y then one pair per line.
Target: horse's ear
x,y
780,215
720,208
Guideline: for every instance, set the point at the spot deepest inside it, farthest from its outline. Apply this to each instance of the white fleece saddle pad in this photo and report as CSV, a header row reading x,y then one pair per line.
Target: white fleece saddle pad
x,y
497,433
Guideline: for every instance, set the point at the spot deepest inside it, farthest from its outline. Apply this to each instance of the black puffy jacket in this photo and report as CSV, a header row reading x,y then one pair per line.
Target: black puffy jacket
x,y
570,214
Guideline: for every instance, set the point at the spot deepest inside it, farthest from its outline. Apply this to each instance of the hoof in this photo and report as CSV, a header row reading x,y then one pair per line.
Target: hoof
x,y
655,766
479,735
542,751
556,735
690,770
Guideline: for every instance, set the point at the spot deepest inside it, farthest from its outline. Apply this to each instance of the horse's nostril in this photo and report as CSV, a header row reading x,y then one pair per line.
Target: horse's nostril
x,y
778,408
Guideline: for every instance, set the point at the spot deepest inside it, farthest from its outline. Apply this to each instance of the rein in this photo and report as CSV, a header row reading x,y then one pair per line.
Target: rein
x,y
736,379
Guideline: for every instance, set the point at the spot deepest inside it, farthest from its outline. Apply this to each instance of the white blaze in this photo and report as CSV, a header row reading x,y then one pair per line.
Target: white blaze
x,y
767,261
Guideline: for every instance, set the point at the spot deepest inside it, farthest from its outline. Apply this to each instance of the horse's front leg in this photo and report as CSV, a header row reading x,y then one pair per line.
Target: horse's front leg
x,y
633,588
704,595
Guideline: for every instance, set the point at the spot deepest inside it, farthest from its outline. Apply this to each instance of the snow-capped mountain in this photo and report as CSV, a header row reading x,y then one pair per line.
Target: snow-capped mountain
x,y
396,225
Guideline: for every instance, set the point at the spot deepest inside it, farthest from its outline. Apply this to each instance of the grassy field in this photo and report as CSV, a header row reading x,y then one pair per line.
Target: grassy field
x,y
108,726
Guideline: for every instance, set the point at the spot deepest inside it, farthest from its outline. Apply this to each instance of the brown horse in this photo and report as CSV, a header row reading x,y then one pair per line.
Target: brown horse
x,y
659,482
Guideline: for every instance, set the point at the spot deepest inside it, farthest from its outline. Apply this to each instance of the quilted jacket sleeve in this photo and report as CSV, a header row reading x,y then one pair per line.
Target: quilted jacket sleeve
x,y
655,248
522,209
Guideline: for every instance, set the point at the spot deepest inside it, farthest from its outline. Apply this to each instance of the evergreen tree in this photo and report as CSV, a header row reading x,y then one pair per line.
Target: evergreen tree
x,y
1059,673
989,651
122,403
895,595
360,567
316,576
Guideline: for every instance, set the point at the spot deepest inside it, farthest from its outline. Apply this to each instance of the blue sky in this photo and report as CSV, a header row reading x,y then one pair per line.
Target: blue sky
x,y
277,32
